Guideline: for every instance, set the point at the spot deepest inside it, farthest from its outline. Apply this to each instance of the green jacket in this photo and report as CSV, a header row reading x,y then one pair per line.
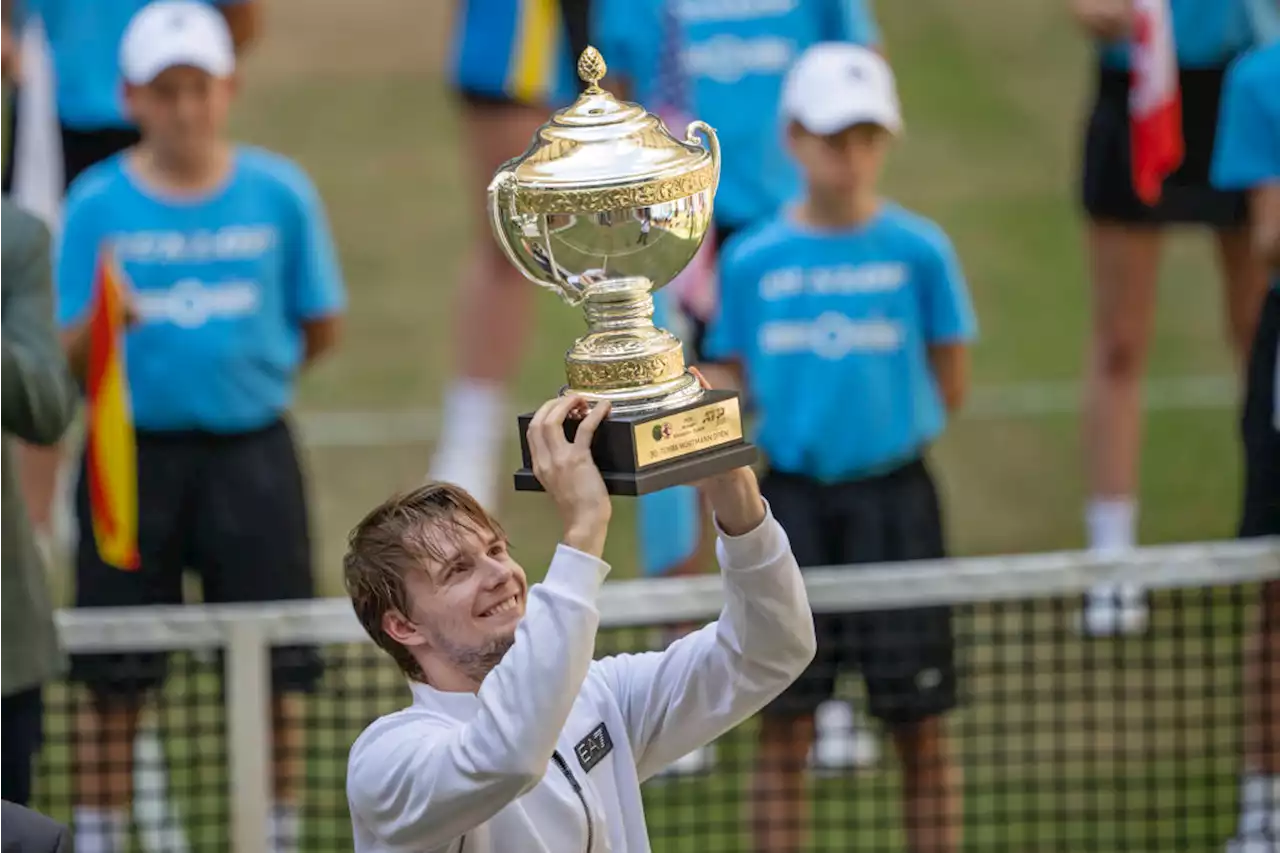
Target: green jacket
x,y
39,402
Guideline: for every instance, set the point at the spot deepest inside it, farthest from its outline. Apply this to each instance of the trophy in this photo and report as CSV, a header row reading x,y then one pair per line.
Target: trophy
x,y
604,208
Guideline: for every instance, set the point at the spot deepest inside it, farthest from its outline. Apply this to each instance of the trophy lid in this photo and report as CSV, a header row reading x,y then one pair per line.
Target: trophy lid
x,y
601,154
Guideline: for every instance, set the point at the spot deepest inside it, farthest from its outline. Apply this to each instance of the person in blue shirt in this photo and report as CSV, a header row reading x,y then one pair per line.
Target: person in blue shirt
x,y
512,63
1124,236
848,320
234,287
83,37
1248,160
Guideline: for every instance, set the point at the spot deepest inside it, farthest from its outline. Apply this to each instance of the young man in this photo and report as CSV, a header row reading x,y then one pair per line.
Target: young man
x,y
725,63
512,63
516,738
40,400
1248,160
848,319
92,124
1125,232
234,286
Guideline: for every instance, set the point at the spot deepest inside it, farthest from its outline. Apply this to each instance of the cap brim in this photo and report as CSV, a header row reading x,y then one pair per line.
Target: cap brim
x,y
829,123
212,66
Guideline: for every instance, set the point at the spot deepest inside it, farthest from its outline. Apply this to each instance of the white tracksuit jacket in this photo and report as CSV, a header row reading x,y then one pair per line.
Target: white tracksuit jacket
x,y
548,756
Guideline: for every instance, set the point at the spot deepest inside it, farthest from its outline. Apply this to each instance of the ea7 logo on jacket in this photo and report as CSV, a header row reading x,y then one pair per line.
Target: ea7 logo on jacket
x,y
592,749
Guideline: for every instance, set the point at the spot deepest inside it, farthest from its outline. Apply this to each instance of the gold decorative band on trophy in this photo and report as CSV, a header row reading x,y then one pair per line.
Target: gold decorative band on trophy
x,y
586,201
634,372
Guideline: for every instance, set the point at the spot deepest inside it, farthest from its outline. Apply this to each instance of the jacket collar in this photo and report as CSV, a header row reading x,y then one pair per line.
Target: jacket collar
x,y
459,706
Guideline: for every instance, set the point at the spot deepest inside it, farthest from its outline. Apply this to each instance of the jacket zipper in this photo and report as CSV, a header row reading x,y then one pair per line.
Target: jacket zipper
x,y
582,797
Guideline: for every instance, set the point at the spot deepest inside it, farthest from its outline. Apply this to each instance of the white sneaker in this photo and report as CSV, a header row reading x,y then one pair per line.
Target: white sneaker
x,y
701,760
1253,844
1109,612
842,740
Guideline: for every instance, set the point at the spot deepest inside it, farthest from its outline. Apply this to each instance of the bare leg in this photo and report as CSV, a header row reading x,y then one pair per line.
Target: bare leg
x,y
780,803
1124,268
931,787
1245,287
492,317
289,768
105,731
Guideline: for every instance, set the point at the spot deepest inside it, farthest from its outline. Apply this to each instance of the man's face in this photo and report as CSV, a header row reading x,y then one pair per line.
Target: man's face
x,y
466,606
183,110
849,160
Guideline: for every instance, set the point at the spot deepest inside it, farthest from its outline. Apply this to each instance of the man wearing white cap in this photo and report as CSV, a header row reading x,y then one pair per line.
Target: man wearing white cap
x,y
847,320
232,281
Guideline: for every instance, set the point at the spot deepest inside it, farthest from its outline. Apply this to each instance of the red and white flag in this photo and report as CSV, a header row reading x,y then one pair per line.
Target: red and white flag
x,y
1155,102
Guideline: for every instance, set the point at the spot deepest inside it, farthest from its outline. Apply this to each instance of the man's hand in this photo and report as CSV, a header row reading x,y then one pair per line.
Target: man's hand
x,y
734,495
1109,20
11,56
568,473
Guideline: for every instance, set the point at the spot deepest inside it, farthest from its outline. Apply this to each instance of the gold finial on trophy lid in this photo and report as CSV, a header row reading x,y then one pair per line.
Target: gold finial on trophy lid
x,y
591,69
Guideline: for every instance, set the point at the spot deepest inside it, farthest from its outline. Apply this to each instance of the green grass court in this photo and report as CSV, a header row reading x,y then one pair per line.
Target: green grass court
x,y
993,91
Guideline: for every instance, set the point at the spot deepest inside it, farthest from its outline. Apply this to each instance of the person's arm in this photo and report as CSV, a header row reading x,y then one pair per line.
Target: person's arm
x,y
709,681
315,277
1246,155
39,394
1106,20
418,785
244,20
949,321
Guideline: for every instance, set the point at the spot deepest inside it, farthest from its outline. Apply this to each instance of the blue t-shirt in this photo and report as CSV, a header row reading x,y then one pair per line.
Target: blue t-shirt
x,y
84,38
832,330
1206,33
1246,153
222,284
735,54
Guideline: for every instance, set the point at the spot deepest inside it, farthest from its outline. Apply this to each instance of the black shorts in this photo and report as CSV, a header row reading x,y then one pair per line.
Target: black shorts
x,y
230,507
80,148
22,736
1259,427
1188,197
906,657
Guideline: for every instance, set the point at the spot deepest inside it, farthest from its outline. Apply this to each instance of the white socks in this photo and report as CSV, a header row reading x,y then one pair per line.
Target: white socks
x,y
474,426
1259,806
99,830
1111,525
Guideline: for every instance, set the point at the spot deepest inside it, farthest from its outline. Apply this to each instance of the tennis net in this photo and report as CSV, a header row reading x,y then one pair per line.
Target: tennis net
x,y
1066,744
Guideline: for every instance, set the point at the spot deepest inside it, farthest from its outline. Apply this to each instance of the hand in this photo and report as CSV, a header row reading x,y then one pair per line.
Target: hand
x,y
568,473
11,57
1109,20
734,495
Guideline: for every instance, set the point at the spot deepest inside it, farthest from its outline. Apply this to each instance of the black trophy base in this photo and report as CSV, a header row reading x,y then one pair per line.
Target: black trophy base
x,y
641,454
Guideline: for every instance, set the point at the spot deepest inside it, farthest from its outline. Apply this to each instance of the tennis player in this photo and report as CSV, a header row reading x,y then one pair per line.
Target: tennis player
x,y
1248,159
516,739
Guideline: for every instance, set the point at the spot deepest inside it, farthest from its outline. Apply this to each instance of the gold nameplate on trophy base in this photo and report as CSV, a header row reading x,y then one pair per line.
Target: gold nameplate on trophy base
x,y
691,431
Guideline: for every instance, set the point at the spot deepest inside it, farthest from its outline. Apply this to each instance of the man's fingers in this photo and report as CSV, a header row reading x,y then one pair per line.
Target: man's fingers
x,y
541,415
587,428
702,380
554,423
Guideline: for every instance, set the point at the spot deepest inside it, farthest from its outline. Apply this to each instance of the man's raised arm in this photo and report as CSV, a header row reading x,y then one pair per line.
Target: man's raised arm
x,y
706,683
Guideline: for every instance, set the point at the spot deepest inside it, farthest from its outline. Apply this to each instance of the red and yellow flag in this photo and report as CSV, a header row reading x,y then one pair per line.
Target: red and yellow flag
x,y
111,451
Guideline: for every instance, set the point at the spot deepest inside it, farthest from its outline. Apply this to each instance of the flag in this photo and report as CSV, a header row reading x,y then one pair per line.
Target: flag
x,y
1155,102
110,448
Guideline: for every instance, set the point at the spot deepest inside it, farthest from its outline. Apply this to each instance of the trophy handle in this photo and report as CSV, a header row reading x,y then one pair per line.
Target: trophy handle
x,y
502,192
713,142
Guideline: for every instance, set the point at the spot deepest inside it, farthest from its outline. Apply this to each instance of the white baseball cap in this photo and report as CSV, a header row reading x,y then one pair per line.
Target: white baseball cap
x,y
176,32
835,85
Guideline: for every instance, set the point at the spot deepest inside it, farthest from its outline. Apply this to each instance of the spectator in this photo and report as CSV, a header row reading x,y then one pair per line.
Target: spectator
x,y
724,63
26,831
513,62
84,41
39,403
850,304
1248,159
1124,238
235,287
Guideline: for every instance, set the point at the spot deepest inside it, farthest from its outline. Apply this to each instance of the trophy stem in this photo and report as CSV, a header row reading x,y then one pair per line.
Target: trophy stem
x,y
623,357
